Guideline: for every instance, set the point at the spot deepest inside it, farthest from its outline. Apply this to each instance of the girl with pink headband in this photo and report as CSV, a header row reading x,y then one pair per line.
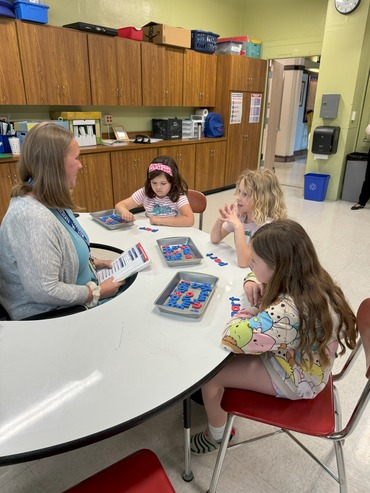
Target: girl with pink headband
x,y
163,196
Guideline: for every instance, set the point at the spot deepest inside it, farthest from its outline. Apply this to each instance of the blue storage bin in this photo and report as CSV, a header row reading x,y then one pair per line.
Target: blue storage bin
x,y
254,48
4,144
204,41
315,186
29,11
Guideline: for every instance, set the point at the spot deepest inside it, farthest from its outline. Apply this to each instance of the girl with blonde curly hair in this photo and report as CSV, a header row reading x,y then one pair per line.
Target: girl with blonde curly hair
x,y
259,200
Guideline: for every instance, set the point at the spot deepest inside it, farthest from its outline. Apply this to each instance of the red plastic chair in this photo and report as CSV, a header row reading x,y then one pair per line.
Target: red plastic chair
x,y
140,472
318,417
198,204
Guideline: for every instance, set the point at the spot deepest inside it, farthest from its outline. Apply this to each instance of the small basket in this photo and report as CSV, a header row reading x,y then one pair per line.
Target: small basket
x,y
203,41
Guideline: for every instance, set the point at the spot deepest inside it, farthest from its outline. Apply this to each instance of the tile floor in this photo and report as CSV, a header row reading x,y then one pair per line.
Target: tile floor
x,y
342,239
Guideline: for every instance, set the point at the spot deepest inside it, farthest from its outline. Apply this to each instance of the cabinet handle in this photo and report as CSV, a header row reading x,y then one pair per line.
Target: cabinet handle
x,y
62,90
121,92
10,180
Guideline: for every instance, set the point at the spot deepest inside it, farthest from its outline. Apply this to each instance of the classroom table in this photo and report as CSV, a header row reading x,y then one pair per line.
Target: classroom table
x,y
71,381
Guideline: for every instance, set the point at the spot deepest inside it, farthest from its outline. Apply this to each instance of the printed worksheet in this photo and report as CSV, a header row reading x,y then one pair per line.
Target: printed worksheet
x,y
131,261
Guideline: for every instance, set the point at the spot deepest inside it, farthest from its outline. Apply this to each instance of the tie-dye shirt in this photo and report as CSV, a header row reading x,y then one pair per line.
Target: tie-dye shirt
x,y
274,334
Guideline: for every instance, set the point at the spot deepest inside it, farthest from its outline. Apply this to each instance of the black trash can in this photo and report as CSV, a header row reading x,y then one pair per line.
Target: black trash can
x,y
355,175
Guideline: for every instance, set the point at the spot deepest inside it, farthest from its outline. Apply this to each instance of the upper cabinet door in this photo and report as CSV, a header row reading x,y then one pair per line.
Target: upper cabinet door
x,y
162,75
245,73
128,72
11,79
103,69
115,71
55,65
199,79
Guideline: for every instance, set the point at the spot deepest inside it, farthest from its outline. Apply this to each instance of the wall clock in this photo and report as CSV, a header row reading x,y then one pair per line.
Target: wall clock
x,y
346,6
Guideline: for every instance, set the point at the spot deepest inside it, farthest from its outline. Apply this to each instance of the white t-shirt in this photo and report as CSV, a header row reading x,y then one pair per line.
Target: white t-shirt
x,y
249,228
159,206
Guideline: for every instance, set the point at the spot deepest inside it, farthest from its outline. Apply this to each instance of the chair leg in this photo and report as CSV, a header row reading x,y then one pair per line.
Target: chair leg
x,y
342,477
221,454
201,221
337,410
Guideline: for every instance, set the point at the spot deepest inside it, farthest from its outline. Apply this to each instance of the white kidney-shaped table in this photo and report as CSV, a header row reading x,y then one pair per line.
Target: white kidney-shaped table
x,y
71,381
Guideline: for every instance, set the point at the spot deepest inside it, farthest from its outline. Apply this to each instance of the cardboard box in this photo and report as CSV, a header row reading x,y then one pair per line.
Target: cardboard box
x,y
166,35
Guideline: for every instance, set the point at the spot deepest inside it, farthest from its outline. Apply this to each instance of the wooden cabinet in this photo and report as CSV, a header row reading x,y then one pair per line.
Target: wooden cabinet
x,y
11,79
241,73
184,156
129,171
93,190
200,72
162,75
115,71
8,178
55,65
210,166
246,77
243,142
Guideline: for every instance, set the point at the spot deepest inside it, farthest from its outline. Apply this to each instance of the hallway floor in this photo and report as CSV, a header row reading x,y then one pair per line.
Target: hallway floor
x,y
277,465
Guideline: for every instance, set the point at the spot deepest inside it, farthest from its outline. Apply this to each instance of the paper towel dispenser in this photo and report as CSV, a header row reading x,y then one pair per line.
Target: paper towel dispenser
x,y
325,140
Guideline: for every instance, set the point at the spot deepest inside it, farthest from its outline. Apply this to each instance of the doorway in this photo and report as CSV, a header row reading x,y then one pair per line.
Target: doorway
x,y
291,92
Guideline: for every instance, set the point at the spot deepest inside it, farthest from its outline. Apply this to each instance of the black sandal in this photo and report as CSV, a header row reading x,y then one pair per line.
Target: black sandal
x,y
356,207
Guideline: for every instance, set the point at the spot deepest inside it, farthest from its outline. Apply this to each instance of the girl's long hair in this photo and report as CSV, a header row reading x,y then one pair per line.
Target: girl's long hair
x,y
178,184
267,197
286,247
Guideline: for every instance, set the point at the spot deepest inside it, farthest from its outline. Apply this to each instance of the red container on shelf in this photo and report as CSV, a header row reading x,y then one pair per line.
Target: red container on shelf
x,y
131,33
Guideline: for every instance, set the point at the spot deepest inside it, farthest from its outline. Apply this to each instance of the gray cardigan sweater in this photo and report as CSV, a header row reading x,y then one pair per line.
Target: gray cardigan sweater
x,y
38,261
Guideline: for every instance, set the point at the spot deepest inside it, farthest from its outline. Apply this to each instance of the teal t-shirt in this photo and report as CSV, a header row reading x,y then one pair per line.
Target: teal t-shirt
x,y
81,243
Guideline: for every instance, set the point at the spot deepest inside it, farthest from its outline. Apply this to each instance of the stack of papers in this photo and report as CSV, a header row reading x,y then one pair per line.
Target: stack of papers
x,y
128,263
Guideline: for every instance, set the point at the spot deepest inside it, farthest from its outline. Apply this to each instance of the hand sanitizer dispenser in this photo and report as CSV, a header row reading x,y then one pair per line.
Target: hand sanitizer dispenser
x,y
325,140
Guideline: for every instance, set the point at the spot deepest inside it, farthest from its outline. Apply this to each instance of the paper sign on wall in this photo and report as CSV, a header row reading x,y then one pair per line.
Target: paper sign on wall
x,y
236,110
255,108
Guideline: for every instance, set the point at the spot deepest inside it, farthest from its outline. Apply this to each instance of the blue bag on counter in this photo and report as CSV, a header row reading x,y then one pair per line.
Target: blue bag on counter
x,y
213,126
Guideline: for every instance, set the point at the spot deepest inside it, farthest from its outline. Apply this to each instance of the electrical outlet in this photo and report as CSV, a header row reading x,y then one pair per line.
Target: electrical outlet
x,y
108,119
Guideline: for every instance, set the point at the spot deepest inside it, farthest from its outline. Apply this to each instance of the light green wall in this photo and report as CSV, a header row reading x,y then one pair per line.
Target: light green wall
x,y
287,28
344,69
218,16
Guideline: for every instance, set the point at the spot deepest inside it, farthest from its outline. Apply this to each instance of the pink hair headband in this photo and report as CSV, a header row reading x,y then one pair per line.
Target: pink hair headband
x,y
160,167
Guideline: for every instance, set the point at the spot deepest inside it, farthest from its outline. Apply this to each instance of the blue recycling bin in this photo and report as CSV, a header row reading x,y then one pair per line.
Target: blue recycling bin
x,y
315,186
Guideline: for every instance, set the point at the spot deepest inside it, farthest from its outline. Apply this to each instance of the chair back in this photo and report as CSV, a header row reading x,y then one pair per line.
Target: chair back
x,y
198,203
363,320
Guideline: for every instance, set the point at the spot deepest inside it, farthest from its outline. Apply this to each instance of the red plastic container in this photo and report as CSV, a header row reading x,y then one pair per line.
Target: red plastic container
x,y
131,33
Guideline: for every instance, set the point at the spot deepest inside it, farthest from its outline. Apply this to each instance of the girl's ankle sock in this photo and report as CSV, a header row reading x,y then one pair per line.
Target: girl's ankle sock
x,y
217,432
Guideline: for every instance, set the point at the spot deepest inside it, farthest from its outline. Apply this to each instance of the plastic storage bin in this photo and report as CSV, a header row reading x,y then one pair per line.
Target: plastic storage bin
x,y
229,48
355,175
239,39
29,11
131,33
315,186
254,48
203,41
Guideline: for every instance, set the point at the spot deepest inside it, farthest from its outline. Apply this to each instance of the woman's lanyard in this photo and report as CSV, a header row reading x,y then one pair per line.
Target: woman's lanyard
x,y
73,225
